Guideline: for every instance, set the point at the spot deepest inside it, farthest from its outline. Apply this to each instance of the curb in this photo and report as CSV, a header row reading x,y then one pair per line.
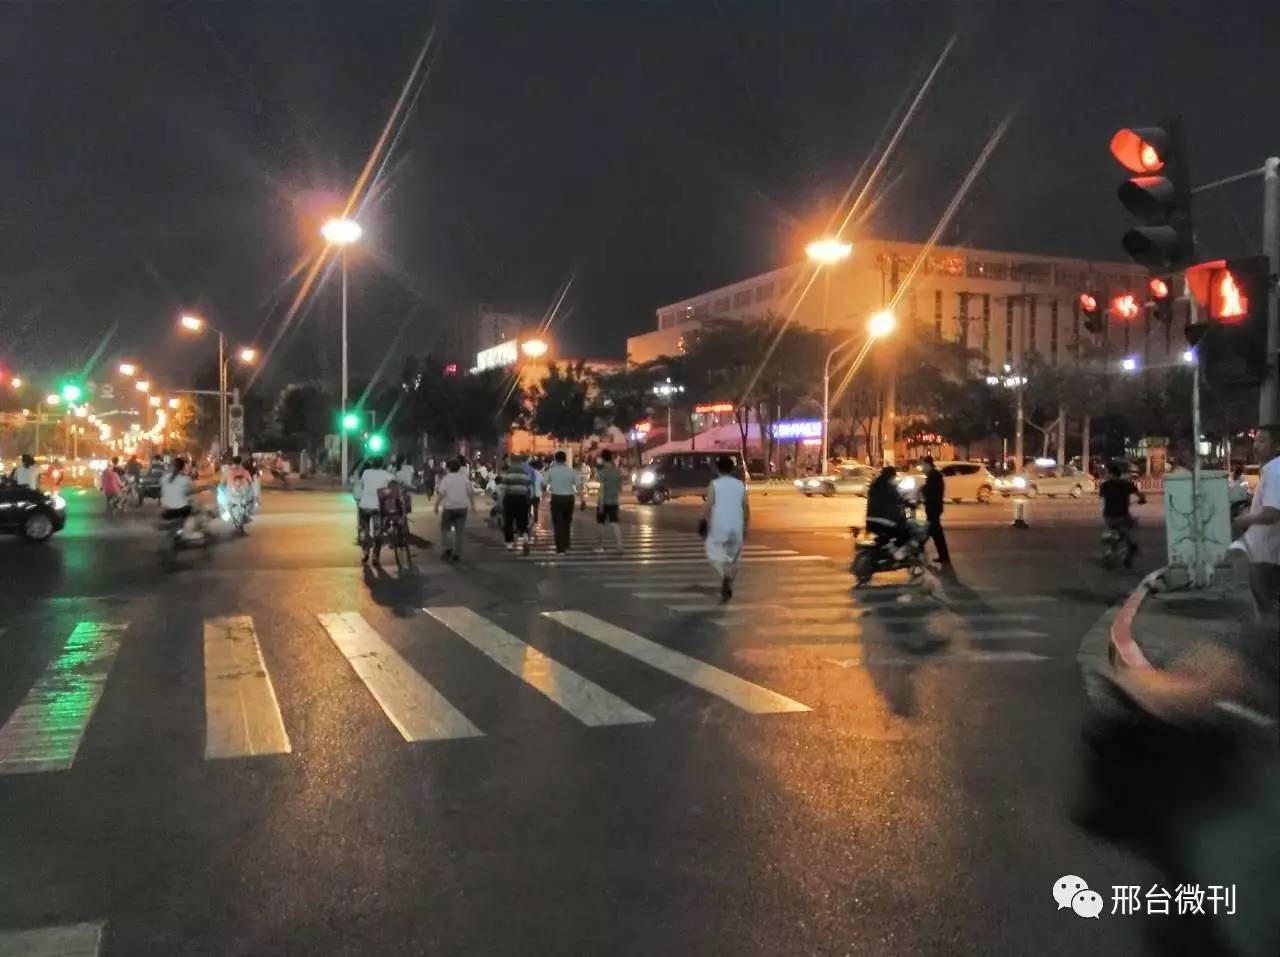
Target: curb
x,y
1124,650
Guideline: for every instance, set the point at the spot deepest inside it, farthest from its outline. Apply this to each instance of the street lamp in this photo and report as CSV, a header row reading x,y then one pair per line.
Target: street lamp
x,y
142,385
827,253
248,355
173,403
128,369
191,323
878,326
534,348
16,382
342,233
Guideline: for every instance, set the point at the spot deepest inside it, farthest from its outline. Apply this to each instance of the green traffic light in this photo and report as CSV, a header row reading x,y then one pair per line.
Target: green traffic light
x,y
350,422
377,443
71,392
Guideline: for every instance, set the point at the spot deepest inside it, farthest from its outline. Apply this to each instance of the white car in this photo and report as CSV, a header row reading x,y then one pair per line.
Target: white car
x,y
844,480
962,481
1042,478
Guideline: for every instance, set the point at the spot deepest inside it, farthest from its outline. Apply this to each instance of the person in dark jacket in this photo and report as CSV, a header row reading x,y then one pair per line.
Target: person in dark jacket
x,y
933,495
886,512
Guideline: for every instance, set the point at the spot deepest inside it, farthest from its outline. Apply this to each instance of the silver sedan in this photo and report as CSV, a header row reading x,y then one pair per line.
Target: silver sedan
x,y
846,480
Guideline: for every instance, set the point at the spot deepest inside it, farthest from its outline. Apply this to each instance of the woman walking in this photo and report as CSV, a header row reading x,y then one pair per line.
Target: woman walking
x,y
725,519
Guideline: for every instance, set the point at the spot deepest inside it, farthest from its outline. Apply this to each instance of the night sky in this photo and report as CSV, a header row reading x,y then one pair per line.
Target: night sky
x,y
160,157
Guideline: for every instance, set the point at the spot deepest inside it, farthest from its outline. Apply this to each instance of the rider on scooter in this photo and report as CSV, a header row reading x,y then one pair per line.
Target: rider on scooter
x,y
1115,492
886,511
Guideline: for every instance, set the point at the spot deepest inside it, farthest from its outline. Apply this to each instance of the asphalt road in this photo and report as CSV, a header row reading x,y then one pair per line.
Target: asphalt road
x,y
270,750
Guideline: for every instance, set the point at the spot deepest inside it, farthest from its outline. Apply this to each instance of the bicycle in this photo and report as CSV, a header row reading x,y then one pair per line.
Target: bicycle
x,y
395,530
371,536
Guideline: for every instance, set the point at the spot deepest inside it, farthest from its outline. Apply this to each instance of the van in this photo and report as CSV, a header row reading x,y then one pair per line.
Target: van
x,y
673,474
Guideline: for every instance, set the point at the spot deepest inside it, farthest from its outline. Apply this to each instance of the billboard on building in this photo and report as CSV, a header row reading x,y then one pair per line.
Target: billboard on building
x,y
497,357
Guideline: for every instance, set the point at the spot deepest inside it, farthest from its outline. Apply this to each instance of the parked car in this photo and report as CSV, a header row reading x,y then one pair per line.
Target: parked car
x,y
1042,479
33,514
673,474
843,480
963,481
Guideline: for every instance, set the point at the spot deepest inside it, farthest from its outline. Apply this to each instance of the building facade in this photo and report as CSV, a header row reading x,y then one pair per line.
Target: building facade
x,y
1002,305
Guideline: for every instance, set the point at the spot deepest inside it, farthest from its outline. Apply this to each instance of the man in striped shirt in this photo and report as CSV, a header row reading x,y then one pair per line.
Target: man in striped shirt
x,y
517,493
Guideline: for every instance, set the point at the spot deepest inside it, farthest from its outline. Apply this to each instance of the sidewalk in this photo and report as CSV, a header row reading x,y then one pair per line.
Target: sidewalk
x,y
1156,626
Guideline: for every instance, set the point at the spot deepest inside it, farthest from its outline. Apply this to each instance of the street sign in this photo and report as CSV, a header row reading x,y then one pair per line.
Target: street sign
x,y
235,425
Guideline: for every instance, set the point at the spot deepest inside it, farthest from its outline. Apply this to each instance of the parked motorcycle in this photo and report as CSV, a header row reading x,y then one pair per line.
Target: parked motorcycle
x,y
872,556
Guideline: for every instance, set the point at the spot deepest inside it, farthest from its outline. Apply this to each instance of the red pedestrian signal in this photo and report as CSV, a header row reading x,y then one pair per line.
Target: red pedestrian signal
x,y
1159,288
1126,306
1088,302
1231,290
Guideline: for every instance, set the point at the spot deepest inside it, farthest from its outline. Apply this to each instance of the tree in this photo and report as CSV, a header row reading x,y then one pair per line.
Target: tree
x,y
302,416
625,398
560,405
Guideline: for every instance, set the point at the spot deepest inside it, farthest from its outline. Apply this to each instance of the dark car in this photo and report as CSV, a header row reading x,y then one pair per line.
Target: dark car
x,y
33,514
673,474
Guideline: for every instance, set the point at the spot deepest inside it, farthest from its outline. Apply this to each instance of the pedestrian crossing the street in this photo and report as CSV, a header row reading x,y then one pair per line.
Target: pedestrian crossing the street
x,y
243,717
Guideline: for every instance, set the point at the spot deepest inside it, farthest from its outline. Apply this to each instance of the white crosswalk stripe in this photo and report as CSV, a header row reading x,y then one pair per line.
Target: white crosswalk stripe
x,y
64,940
242,716
583,699
737,691
418,711
44,734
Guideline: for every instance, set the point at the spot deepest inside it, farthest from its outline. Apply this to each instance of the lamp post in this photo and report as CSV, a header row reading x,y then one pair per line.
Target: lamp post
x,y
878,326
342,233
246,354
1017,382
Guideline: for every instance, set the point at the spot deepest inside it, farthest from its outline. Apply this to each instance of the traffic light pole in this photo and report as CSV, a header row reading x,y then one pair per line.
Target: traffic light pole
x,y
1269,400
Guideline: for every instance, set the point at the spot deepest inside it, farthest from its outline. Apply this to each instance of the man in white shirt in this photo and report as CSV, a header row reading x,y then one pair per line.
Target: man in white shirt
x,y
28,473
454,499
1260,527
372,480
563,484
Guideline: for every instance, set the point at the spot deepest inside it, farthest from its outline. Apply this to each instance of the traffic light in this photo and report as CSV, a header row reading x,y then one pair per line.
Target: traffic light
x,y
1091,306
1233,291
1161,290
350,422
376,443
71,392
1233,294
1160,195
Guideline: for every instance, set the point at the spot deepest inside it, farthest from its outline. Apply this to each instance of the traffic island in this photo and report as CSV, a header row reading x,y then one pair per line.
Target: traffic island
x,y
1165,625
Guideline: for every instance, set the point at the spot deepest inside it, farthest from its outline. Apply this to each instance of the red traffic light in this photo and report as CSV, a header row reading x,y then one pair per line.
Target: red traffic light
x,y
451,368
1088,303
1126,306
1159,288
1141,150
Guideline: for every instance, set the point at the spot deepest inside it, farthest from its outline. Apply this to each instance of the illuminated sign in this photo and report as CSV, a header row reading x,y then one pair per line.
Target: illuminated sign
x,y
796,429
451,368
711,408
498,357
640,432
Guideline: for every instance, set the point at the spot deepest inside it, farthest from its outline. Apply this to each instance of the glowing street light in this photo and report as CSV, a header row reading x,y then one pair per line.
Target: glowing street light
x,y
154,401
191,323
173,403
342,233
881,324
142,385
828,251
129,369
534,348
248,354
16,382
1130,364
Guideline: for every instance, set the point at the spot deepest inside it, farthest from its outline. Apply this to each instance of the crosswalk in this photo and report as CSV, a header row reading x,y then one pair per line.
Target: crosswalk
x,y
243,716
643,546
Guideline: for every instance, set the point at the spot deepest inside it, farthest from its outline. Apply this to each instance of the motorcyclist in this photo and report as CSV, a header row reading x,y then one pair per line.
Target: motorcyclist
x,y
28,473
176,491
237,484
1116,491
886,511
